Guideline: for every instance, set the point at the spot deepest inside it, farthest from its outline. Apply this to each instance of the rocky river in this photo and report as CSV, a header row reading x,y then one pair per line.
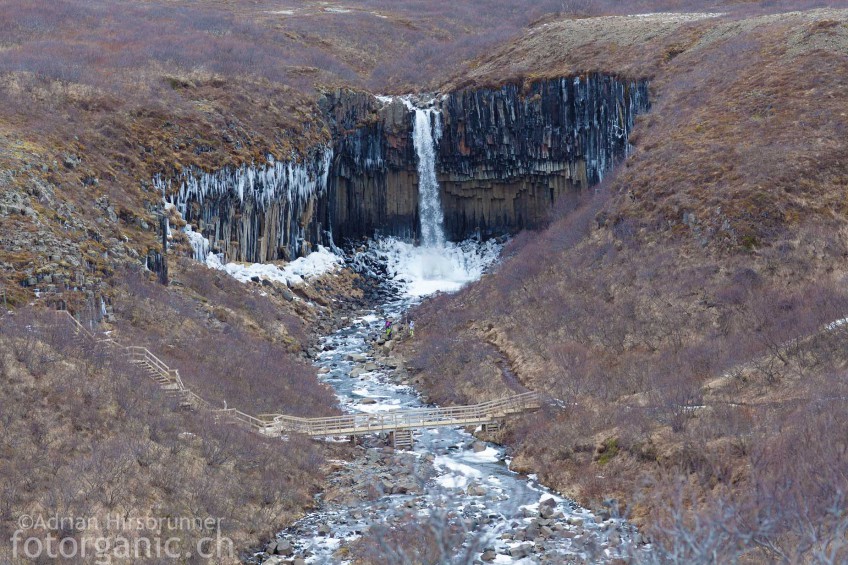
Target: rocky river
x,y
451,489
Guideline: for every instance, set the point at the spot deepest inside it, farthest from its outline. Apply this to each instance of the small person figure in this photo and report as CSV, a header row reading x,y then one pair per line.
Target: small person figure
x,y
412,328
388,328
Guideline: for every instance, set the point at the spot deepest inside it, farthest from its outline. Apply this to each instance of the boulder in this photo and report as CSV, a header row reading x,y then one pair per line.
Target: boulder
x,y
489,555
323,530
284,547
546,511
371,367
478,446
520,551
550,502
475,490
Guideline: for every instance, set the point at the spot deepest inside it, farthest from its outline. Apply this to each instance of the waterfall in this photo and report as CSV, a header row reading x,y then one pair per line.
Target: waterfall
x,y
425,133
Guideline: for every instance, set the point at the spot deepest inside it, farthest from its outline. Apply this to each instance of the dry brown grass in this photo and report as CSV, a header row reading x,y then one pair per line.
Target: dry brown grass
x,y
86,434
722,239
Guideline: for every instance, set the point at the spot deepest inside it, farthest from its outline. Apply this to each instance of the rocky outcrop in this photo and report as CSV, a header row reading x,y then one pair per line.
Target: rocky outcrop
x,y
258,213
505,155
373,181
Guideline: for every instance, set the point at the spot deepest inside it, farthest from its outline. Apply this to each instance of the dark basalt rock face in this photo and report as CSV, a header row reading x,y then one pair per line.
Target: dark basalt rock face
x,y
504,157
278,210
507,155
373,179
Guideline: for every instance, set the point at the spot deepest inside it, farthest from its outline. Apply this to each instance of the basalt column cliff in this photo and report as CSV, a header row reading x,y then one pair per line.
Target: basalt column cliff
x,y
504,155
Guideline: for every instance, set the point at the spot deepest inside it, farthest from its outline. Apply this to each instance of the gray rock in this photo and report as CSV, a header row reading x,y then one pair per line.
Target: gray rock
x,y
284,547
546,511
520,551
475,490
575,521
371,367
323,530
478,446
489,555
71,161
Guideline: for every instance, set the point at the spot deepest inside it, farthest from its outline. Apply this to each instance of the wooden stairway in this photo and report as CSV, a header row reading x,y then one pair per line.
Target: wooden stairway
x,y
402,439
399,423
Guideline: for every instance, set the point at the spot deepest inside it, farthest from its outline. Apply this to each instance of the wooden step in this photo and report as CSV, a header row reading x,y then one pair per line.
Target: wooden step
x,y
492,427
402,439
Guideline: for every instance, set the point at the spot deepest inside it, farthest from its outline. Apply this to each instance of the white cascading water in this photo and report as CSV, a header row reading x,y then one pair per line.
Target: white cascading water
x,y
435,264
429,203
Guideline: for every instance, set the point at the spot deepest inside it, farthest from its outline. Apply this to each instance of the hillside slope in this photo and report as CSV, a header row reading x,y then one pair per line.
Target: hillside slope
x,y
675,313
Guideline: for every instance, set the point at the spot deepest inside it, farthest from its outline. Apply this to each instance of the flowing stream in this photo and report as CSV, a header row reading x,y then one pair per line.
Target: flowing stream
x,y
504,517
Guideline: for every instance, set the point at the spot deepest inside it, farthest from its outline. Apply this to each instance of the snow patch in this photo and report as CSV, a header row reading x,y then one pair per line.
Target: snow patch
x,y
313,265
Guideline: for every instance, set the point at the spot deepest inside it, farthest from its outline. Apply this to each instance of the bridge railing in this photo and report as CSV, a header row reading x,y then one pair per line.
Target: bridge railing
x,y
350,424
400,419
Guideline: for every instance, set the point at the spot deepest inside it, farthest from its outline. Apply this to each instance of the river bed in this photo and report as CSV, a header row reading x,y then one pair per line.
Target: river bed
x,y
448,480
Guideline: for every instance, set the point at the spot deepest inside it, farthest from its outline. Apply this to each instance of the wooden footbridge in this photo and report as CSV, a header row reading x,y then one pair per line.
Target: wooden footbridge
x,y
399,424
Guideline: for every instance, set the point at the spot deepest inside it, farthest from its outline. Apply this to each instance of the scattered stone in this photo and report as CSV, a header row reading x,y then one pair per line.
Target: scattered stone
x,y
520,551
489,555
284,547
323,530
371,367
546,511
478,446
356,373
475,490
71,161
